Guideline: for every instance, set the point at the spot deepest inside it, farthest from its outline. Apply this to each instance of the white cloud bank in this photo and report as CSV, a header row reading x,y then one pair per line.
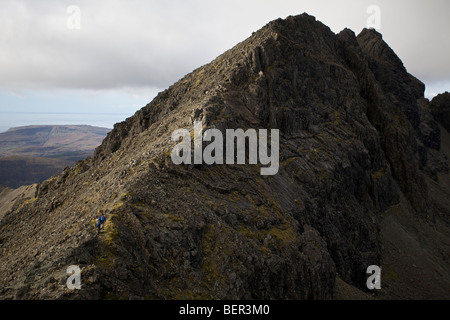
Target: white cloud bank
x,y
139,44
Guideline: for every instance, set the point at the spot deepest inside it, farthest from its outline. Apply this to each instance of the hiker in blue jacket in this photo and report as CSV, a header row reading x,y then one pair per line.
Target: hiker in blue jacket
x,y
99,222
102,221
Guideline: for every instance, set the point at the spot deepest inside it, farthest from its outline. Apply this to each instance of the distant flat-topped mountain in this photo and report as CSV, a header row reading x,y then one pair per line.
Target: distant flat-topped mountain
x,y
63,142
32,154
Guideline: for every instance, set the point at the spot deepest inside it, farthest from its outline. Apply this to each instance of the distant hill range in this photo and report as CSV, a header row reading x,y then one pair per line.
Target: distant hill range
x,y
33,154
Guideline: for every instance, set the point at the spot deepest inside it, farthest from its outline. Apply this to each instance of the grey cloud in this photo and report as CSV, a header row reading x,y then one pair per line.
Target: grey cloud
x,y
153,43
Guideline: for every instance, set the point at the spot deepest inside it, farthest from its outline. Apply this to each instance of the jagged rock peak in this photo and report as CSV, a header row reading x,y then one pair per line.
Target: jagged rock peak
x,y
249,59
372,43
440,108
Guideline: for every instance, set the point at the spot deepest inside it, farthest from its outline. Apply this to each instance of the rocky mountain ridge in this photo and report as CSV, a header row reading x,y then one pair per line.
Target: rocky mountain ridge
x,y
357,144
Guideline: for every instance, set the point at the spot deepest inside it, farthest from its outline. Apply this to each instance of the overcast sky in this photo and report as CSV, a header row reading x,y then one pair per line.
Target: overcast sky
x,y
115,55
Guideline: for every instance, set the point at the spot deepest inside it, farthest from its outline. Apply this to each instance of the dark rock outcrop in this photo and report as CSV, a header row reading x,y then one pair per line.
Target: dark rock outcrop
x,y
351,131
440,108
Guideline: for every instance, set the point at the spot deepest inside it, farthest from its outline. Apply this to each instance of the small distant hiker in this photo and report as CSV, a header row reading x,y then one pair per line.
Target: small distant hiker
x,y
97,224
102,221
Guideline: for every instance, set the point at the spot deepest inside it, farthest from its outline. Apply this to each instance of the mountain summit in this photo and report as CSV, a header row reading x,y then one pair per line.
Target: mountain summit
x,y
362,181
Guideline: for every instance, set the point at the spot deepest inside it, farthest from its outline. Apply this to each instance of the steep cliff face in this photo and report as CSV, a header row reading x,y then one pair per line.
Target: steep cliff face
x,y
352,144
440,108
